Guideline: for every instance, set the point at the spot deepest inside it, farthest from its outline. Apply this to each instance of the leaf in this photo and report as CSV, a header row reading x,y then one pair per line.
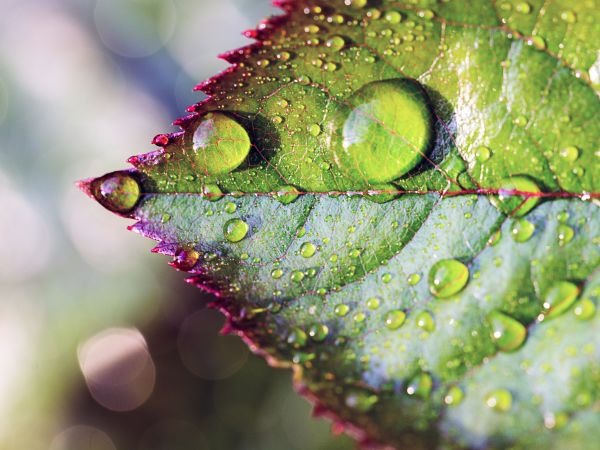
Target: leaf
x,y
400,202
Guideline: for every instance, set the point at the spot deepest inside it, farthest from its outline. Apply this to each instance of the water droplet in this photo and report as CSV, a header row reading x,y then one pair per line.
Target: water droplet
x,y
565,234
297,338
286,194
118,192
568,16
373,303
522,230
314,129
559,298
212,192
312,29
520,121
356,4
318,332
185,259
570,153
414,279
495,238
386,278
523,7
387,133
277,274
336,43
359,317
341,310
392,17
454,396
361,401
420,386
426,14
425,321
394,319
230,207
235,230
507,333
448,277
220,144
297,276
499,400
563,216
483,154
584,309
308,249
511,203
537,42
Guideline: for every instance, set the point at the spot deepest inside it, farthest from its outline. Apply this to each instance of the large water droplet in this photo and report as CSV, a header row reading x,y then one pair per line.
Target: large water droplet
x,y
512,203
584,309
448,277
235,230
118,192
308,249
559,298
286,194
387,133
507,333
220,144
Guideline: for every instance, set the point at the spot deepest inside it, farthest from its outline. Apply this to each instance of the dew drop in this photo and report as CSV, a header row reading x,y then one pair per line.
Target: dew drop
x,y
584,309
387,132
522,230
361,401
212,192
185,259
454,396
523,7
286,194
297,338
386,278
510,202
448,277
336,43
318,332
341,310
297,276
420,386
392,17
568,16
425,321
507,333
483,154
537,42
356,4
414,279
308,249
570,153
565,234
235,230
499,400
277,274
220,144
559,298
373,303
394,319
118,192
230,207
520,121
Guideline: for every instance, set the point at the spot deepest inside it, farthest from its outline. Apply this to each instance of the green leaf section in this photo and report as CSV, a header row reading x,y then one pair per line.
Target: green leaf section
x,y
341,234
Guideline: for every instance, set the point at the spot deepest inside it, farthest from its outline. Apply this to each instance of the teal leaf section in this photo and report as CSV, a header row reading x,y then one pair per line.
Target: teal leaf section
x,y
400,202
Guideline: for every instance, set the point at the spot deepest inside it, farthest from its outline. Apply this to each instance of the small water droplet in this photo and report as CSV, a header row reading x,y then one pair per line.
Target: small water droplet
x,y
570,153
185,259
230,207
297,276
522,230
373,303
520,121
356,4
568,16
392,17
420,386
336,42
559,298
286,194
361,401
235,230
523,7
297,338
318,332
425,321
394,319
584,309
212,192
483,154
341,310
454,396
414,279
499,400
386,278
314,129
565,234
448,277
507,333
277,274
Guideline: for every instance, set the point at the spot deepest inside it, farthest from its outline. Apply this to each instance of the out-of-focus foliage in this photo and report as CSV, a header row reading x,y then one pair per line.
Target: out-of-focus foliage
x,y
82,83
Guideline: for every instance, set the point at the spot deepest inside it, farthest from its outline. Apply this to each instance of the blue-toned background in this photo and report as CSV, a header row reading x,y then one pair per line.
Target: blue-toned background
x,y
102,346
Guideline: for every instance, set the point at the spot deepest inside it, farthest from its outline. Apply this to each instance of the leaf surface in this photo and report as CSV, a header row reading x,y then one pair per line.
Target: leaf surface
x,y
400,202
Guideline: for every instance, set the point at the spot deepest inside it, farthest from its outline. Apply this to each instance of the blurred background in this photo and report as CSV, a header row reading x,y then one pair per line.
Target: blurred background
x,y
102,346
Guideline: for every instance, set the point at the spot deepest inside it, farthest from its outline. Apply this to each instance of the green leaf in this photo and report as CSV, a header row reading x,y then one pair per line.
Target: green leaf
x,y
400,202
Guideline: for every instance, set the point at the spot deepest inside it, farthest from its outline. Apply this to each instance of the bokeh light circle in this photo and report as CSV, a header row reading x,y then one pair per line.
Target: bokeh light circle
x,y
82,437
